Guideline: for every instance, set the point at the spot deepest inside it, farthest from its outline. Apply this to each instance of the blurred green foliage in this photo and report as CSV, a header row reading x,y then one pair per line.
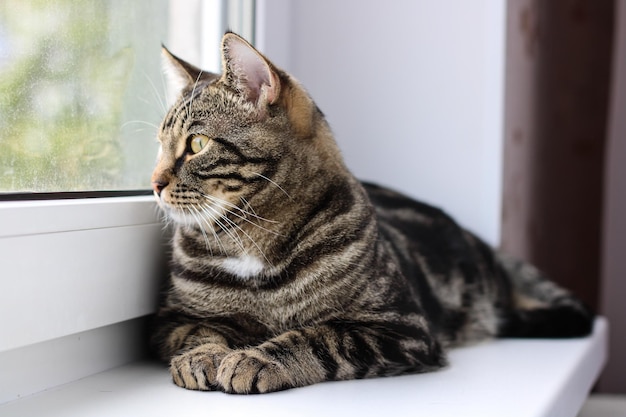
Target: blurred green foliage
x,y
63,93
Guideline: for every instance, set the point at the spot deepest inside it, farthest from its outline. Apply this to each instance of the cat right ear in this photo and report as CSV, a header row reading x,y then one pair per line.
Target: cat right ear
x,y
181,73
249,72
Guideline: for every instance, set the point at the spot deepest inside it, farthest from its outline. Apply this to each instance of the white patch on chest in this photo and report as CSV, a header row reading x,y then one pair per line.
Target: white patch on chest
x,y
244,266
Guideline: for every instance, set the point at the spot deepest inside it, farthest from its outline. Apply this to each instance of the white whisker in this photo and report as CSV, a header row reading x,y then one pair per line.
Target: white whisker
x,y
232,234
202,214
140,122
247,207
236,226
253,223
193,91
165,219
234,206
165,91
192,211
245,213
155,91
157,112
274,182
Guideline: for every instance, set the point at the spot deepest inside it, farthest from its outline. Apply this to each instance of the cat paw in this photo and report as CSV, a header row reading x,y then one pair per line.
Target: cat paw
x,y
196,369
249,372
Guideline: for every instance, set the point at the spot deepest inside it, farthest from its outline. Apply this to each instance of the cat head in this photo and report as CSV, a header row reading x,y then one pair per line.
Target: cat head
x,y
245,140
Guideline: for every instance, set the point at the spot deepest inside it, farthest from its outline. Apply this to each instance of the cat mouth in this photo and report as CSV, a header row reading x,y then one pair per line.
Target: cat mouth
x,y
170,210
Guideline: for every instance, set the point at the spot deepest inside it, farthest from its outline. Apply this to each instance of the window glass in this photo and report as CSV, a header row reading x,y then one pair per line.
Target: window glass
x,y
81,87
81,93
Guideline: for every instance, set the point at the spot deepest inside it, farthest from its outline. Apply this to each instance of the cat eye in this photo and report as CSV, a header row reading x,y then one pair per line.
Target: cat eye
x,y
197,143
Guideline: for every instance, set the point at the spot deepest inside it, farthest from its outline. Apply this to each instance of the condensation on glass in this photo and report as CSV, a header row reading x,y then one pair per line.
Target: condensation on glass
x,y
82,91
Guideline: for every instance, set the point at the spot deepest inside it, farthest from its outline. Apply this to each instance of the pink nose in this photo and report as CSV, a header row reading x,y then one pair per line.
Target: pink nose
x,y
158,186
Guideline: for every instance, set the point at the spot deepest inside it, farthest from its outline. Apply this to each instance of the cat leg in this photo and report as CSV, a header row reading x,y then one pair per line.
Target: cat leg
x,y
333,351
195,352
196,369
195,349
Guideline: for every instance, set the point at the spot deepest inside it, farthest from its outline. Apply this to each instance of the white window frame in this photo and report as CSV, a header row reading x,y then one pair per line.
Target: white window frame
x,y
62,257
79,276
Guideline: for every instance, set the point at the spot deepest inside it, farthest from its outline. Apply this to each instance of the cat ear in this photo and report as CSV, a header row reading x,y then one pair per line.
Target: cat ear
x,y
249,72
182,73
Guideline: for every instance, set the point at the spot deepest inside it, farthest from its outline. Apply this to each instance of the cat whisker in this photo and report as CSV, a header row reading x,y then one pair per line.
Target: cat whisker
x,y
215,235
155,91
158,112
193,93
247,207
274,183
253,223
235,207
251,212
236,226
215,215
124,125
166,221
165,92
192,210
211,217
243,216
161,214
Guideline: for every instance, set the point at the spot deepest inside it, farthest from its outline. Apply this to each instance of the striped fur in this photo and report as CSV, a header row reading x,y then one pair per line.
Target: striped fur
x,y
287,271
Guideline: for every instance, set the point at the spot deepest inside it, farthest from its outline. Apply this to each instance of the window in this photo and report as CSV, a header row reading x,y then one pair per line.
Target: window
x,y
81,87
88,71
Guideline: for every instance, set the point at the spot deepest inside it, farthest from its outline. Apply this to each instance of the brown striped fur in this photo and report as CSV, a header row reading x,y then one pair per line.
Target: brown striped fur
x,y
288,271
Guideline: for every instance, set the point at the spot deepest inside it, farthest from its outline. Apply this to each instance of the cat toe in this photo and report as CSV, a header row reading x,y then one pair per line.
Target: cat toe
x,y
248,372
197,368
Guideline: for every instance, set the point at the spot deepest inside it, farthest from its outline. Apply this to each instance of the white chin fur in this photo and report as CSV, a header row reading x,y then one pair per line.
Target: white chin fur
x,y
244,266
183,219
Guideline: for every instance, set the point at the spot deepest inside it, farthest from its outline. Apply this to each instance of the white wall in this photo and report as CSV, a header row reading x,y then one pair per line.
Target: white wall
x,y
413,91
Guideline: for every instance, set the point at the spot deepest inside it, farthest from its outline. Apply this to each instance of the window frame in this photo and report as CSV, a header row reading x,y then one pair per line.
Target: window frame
x,y
30,220
75,265
79,269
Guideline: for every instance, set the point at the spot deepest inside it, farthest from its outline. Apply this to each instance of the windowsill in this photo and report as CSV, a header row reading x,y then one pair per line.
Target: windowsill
x,y
529,378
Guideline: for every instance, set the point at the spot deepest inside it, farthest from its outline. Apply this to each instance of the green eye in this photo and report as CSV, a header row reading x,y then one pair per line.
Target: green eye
x,y
198,142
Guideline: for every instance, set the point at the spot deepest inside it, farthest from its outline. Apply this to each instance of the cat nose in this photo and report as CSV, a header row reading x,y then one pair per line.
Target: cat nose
x,y
158,185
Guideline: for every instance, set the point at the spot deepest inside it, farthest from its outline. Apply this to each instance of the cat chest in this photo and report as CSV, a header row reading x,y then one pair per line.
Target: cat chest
x,y
277,309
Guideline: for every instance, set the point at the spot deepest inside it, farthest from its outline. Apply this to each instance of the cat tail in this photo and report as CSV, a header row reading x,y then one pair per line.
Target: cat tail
x,y
540,308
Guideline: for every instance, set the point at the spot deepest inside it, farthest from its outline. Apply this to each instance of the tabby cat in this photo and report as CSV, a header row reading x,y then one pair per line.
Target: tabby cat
x,y
288,271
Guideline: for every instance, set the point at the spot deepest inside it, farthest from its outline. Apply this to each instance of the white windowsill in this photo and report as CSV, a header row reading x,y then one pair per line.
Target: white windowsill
x,y
530,378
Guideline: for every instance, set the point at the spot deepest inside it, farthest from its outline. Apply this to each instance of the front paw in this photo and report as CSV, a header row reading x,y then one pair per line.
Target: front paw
x,y
249,372
196,369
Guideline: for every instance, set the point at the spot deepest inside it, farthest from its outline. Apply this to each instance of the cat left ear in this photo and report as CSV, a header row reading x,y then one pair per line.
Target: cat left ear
x,y
183,73
249,72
